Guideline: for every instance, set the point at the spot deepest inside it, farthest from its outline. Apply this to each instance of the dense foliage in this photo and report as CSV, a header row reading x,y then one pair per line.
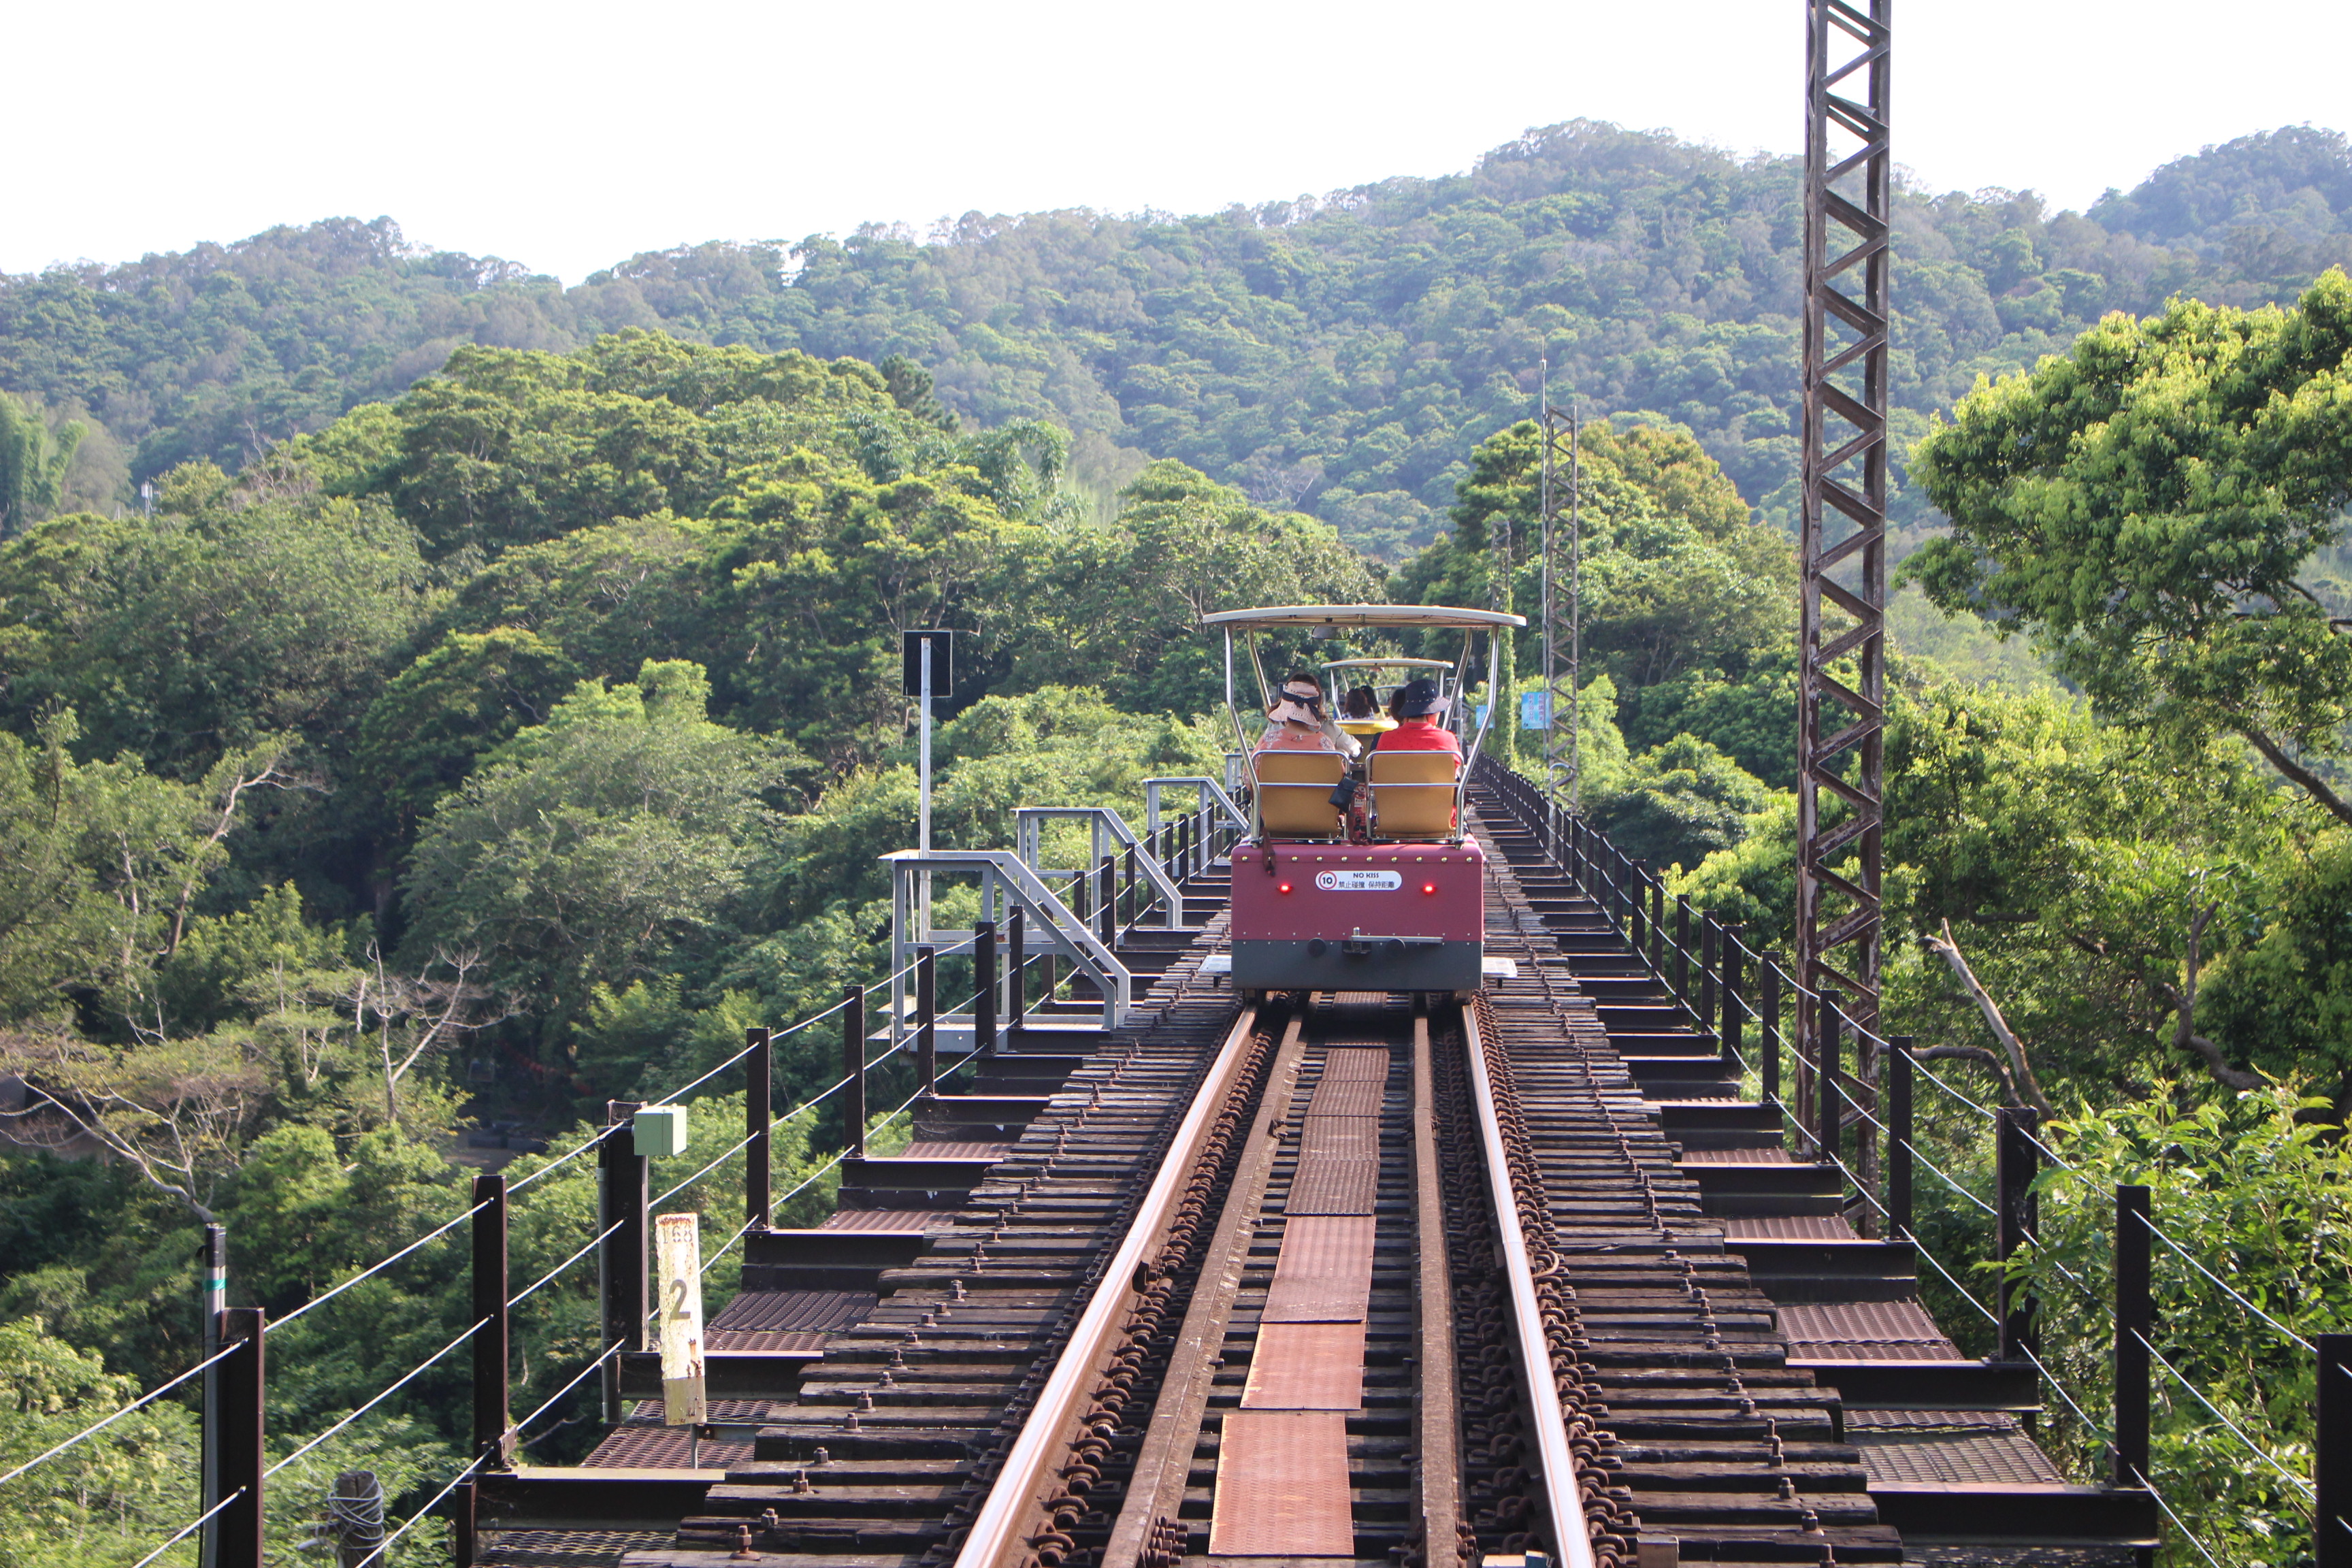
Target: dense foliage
x,y
489,753
488,714
1341,354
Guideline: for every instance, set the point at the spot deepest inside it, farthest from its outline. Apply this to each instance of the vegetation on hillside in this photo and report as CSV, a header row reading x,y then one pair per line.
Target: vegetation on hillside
x,y
491,715
493,753
1341,355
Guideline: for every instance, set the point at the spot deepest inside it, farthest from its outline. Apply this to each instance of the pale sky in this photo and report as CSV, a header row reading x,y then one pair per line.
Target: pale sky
x,y
568,137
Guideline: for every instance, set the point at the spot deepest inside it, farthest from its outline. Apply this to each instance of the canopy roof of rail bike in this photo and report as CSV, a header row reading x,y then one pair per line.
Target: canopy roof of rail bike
x,y
1397,663
1323,621
1415,616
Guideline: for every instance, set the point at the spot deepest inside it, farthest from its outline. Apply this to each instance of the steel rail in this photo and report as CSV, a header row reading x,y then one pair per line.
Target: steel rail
x,y
1437,1432
1561,1496
994,1539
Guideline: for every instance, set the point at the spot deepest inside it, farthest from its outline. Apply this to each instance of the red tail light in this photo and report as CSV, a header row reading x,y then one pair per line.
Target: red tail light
x,y
1429,887
1282,887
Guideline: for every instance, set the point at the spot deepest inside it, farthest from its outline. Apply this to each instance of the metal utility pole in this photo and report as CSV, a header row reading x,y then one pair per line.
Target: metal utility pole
x,y
924,676
212,1259
1498,598
1563,626
1842,705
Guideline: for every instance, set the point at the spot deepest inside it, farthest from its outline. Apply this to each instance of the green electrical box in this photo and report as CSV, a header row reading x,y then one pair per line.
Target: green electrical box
x,y
660,1131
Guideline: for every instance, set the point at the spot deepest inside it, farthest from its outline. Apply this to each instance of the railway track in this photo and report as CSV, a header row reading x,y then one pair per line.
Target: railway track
x,y
1239,1291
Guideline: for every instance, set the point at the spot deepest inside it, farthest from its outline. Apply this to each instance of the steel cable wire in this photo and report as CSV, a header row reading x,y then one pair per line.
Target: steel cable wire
x,y
376,1267
2187,1534
513,1429
189,1529
395,1386
2251,1448
143,1400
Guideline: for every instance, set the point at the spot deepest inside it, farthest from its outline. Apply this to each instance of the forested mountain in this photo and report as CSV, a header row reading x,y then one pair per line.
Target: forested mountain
x,y
494,709
1340,354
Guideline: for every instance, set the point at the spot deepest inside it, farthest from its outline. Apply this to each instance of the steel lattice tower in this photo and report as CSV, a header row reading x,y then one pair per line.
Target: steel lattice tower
x,y
1841,723
1562,604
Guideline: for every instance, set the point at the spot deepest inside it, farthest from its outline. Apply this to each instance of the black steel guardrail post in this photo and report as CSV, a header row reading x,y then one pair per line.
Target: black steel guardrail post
x,y
1827,1050
1710,959
1682,950
1729,991
1898,1135
243,1447
493,1440
1636,907
1768,1030
1016,974
624,1187
465,1529
759,1122
2016,1161
1106,906
852,1070
2332,1453
2135,1320
927,1021
985,981
1133,915
1657,923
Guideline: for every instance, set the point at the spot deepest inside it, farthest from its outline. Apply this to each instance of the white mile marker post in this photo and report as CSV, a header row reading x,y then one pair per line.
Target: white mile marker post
x,y
678,1251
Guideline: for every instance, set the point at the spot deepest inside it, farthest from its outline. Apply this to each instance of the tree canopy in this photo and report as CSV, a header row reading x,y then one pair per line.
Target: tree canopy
x,y
2159,508
1340,354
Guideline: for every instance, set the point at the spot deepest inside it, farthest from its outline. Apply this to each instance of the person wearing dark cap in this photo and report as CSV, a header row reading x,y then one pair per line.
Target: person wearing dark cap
x,y
1416,709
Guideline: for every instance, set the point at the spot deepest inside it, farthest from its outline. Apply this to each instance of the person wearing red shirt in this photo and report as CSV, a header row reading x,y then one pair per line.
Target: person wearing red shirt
x,y
1415,709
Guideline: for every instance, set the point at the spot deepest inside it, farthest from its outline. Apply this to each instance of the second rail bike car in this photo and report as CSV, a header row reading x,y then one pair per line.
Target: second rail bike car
x,y
1356,875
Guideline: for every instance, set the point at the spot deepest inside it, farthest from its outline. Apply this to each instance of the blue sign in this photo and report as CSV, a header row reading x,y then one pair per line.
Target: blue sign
x,y
1483,708
1534,710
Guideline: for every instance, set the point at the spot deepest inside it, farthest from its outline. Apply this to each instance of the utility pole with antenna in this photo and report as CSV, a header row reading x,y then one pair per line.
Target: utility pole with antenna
x,y
1563,629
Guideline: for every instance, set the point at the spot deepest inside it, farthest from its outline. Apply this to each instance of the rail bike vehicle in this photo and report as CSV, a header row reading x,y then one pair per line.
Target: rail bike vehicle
x,y
1357,876
1384,677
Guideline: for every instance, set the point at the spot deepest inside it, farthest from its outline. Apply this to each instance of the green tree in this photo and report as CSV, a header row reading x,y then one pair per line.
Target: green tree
x,y
108,1501
467,694
1675,575
2153,507
1679,802
911,389
586,848
232,613
2256,1188
33,463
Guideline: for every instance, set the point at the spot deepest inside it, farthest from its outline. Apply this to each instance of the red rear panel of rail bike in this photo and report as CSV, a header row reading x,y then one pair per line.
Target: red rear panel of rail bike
x,y
1340,917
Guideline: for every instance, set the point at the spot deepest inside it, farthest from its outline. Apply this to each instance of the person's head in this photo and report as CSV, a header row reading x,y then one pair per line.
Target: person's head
x,y
1300,701
1416,699
1362,703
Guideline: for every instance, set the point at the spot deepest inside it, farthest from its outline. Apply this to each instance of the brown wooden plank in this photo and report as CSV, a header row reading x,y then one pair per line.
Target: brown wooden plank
x,y
1307,1366
1345,1097
1347,1137
1324,1272
1329,1186
1282,1486
1358,1063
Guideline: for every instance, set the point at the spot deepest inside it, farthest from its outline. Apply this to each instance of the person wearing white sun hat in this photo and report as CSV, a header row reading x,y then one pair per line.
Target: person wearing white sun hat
x,y
1297,721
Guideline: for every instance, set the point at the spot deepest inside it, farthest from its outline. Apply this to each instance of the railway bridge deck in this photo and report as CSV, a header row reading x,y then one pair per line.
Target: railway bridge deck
x,y
1229,1283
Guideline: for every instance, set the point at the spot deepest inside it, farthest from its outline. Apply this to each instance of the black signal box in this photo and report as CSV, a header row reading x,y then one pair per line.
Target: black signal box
x,y
911,645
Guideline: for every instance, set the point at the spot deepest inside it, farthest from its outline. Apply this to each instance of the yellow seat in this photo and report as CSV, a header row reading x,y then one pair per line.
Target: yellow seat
x,y
1413,794
1294,793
